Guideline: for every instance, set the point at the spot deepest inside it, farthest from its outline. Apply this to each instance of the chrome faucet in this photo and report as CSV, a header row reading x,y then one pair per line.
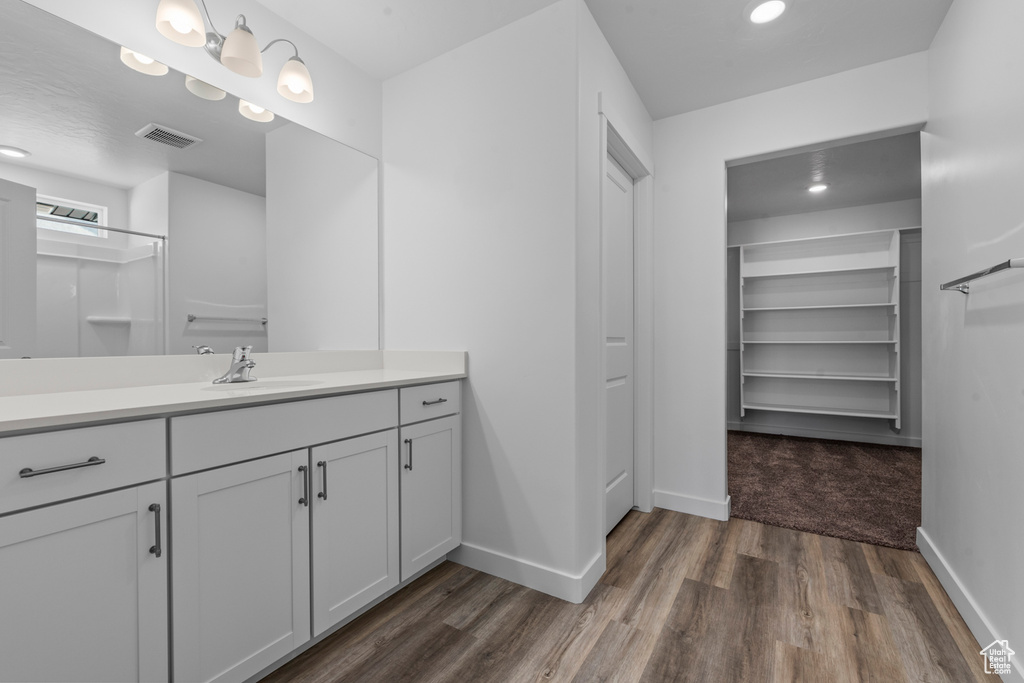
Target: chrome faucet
x,y
241,364
203,349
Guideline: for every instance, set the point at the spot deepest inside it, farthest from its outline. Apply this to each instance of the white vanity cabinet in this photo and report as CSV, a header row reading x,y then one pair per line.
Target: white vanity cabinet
x,y
242,597
431,474
83,595
355,525
241,567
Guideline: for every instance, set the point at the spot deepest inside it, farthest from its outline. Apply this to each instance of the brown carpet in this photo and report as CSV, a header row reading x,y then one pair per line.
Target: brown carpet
x,y
857,491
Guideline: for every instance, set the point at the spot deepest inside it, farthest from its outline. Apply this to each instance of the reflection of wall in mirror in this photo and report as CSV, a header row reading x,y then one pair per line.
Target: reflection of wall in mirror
x,y
322,249
216,265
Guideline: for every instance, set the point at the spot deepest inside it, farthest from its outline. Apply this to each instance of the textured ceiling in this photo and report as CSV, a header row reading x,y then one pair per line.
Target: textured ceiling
x,y
77,109
872,172
680,55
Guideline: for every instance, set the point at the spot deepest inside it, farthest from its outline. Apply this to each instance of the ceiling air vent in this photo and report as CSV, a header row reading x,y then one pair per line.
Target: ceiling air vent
x,y
168,136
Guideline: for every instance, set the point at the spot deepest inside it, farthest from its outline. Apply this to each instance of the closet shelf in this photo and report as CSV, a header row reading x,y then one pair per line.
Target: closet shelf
x,y
842,378
805,341
823,307
819,326
814,410
827,271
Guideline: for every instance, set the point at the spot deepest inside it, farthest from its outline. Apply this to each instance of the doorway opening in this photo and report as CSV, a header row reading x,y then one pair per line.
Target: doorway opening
x,y
824,339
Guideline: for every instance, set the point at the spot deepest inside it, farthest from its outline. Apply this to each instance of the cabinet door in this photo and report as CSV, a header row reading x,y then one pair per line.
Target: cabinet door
x,y
355,525
431,478
241,567
82,597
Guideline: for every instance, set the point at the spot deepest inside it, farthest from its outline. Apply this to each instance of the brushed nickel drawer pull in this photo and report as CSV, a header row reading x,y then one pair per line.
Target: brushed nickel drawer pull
x,y
408,466
323,494
434,403
156,549
29,472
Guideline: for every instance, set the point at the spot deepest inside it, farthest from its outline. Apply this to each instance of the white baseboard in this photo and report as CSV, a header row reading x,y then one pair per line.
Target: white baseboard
x,y
885,439
568,587
965,604
702,507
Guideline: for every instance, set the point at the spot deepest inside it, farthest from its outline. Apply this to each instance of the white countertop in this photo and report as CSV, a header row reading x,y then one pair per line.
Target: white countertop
x,y
85,405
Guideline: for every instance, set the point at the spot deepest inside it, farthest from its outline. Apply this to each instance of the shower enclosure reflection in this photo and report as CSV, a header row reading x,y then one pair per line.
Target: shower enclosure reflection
x,y
99,291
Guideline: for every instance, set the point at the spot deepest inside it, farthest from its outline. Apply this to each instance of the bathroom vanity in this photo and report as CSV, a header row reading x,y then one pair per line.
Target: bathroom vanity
x,y
196,532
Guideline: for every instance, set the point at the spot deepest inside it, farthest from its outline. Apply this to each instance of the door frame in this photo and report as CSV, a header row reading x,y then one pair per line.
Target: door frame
x,y
615,144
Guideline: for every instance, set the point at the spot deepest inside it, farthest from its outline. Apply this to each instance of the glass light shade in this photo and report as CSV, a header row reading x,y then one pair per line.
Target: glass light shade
x,y
768,11
241,53
203,89
14,152
294,82
142,63
180,21
255,112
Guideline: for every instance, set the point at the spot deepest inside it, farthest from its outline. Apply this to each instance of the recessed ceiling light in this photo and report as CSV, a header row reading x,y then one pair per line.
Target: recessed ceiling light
x,y
767,11
819,187
14,152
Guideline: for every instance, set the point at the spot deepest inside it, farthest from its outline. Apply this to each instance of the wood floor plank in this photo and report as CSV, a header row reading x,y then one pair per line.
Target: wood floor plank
x,y
872,655
634,553
617,656
649,600
965,640
848,576
693,638
890,562
798,665
803,594
569,653
928,651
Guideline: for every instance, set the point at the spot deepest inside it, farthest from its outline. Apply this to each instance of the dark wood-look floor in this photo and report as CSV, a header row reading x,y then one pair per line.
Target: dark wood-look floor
x,y
684,599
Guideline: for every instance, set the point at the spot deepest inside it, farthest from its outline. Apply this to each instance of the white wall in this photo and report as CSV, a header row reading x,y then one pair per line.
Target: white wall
x,y
690,248
322,244
479,218
348,102
973,152
216,265
492,244
149,205
886,216
66,187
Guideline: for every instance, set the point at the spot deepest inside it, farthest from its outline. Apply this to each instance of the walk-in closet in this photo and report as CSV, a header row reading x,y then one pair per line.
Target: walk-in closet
x,y
824,344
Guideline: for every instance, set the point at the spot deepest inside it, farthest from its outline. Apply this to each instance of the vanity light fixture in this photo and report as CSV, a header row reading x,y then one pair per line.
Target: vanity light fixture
x,y
817,187
14,152
141,63
181,22
203,89
763,12
254,112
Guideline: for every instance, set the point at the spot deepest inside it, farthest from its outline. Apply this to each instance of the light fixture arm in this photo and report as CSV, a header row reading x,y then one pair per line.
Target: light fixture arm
x,y
209,19
282,40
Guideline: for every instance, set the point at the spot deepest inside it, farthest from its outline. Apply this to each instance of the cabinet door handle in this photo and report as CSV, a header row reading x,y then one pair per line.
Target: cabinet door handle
x,y
305,486
434,403
323,494
156,549
29,472
408,465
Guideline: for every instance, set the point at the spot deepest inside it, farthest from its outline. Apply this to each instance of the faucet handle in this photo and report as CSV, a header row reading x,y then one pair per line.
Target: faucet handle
x,y
202,349
241,353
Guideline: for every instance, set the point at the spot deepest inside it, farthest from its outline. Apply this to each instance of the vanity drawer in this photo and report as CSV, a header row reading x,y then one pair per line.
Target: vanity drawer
x,y
126,454
206,440
428,401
